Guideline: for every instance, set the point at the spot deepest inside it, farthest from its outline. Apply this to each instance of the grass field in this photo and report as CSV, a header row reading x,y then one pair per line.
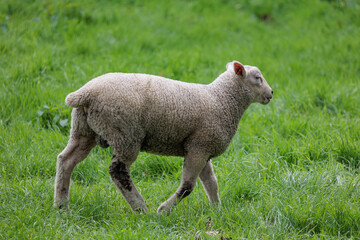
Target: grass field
x,y
292,169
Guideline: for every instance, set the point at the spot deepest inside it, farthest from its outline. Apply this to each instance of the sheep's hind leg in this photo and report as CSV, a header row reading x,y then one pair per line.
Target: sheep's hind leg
x,y
120,174
76,151
194,163
209,182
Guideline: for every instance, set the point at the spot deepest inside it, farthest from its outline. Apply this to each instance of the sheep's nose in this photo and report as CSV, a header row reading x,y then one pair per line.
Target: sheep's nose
x,y
270,96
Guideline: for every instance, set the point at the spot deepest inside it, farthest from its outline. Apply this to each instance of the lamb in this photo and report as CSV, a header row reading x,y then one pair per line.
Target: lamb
x,y
140,112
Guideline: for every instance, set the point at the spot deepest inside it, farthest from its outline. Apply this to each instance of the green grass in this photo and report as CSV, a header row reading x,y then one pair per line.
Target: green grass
x,y
292,169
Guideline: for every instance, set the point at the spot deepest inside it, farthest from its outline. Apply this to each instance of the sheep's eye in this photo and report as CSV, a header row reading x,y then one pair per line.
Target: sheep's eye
x,y
258,78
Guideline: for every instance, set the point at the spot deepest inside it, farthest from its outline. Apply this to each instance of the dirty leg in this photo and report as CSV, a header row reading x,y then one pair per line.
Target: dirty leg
x,y
209,182
119,172
76,151
193,164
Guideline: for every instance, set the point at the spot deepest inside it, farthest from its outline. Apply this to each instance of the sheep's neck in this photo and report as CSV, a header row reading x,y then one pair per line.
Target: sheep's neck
x,y
232,95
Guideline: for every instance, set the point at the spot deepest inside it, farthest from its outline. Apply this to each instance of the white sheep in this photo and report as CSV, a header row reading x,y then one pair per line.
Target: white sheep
x,y
140,112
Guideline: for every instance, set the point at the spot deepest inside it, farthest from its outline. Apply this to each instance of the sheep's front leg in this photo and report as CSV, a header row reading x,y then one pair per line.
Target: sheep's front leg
x,y
76,151
120,174
209,182
193,164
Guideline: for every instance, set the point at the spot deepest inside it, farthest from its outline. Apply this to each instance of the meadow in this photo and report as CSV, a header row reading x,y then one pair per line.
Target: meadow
x,y
292,169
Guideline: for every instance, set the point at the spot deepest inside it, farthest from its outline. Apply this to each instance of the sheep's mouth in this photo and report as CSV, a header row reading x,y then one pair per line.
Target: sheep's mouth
x,y
266,100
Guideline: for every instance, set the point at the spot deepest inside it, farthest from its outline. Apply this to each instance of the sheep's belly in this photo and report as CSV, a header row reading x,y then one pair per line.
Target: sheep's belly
x,y
169,148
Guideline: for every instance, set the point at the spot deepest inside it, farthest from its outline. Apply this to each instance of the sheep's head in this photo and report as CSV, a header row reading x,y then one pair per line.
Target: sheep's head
x,y
253,81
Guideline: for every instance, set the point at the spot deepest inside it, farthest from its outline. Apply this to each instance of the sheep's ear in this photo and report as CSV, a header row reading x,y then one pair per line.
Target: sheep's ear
x,y
239,69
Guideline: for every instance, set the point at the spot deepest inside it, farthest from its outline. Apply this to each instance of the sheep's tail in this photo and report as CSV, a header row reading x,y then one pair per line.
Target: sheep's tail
x,y
76,99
